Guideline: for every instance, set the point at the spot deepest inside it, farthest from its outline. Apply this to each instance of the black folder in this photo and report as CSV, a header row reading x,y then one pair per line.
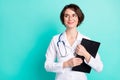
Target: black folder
x,y
92,47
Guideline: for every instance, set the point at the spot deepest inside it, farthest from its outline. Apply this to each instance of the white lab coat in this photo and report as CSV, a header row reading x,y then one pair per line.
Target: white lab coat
x,y
54,61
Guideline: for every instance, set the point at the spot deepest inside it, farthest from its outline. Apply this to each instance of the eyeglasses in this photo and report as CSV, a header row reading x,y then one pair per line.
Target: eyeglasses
x,y
62,49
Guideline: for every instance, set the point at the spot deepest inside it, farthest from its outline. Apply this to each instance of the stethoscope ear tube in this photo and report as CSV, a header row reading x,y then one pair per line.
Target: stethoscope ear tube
x,y
59,40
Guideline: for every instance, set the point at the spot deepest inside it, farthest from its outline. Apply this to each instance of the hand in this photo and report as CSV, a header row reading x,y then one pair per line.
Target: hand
x,y
80,50
72,62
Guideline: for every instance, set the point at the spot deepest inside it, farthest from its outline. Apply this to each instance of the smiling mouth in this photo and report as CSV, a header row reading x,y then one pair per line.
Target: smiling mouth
x,y
70,22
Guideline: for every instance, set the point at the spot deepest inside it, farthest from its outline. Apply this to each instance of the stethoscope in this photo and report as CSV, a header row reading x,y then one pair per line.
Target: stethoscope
x,y
62,53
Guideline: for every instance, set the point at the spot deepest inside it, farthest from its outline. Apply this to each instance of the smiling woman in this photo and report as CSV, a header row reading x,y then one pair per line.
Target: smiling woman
x,y
27,26
71,16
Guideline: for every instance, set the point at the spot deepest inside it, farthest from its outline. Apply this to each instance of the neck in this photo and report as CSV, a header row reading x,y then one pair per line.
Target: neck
x,y
71,35
71,32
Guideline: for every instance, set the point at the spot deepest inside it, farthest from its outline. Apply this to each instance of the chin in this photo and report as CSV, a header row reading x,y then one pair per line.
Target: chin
x,y
72,26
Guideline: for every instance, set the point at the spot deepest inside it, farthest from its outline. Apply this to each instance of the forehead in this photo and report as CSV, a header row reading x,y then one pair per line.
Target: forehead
x,y
69,11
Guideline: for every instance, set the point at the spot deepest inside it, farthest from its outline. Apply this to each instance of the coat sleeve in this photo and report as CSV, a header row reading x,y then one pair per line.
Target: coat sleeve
x,y
50,64
96,63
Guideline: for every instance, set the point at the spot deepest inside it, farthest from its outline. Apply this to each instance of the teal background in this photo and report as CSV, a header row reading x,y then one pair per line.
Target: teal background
x,y
27,26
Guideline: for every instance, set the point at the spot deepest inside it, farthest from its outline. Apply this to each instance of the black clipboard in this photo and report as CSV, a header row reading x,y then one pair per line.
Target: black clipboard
x,y
92,47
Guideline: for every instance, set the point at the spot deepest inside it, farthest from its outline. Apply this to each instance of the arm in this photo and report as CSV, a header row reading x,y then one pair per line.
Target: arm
x,y
72,62
58,67
50,64
95,63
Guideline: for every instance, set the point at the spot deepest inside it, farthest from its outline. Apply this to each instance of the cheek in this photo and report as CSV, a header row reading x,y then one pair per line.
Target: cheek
x,y
77,21
65,21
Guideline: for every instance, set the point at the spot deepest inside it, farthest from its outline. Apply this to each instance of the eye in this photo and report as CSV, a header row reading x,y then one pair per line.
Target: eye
x,y
74,15
66,15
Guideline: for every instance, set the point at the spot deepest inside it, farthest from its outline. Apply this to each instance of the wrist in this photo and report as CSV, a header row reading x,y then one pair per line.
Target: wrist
x,y
87,56
65,64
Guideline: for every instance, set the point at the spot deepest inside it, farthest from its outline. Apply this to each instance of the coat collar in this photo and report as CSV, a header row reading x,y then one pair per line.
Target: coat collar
x,y
64,38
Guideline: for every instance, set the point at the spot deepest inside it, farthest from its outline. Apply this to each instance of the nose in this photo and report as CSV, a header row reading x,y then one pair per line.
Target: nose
x,y
70,18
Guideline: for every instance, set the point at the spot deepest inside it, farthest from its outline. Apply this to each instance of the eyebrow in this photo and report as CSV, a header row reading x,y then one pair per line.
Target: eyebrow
x,y
68,13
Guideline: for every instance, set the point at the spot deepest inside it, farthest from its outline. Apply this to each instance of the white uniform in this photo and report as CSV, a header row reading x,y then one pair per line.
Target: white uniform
x,y
54,60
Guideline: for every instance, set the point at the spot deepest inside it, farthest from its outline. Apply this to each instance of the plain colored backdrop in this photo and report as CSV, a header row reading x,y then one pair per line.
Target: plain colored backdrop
x,y
27,26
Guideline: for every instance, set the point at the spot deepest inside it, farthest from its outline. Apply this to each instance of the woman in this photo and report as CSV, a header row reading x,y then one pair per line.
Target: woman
x,y
60,53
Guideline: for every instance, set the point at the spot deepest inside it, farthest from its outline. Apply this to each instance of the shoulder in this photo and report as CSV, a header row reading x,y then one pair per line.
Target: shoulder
x,y
83,36
56,37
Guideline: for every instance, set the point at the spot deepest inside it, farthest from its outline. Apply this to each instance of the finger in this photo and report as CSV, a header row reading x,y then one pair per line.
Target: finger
x,y
79,62
79,59
76,50
79,46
